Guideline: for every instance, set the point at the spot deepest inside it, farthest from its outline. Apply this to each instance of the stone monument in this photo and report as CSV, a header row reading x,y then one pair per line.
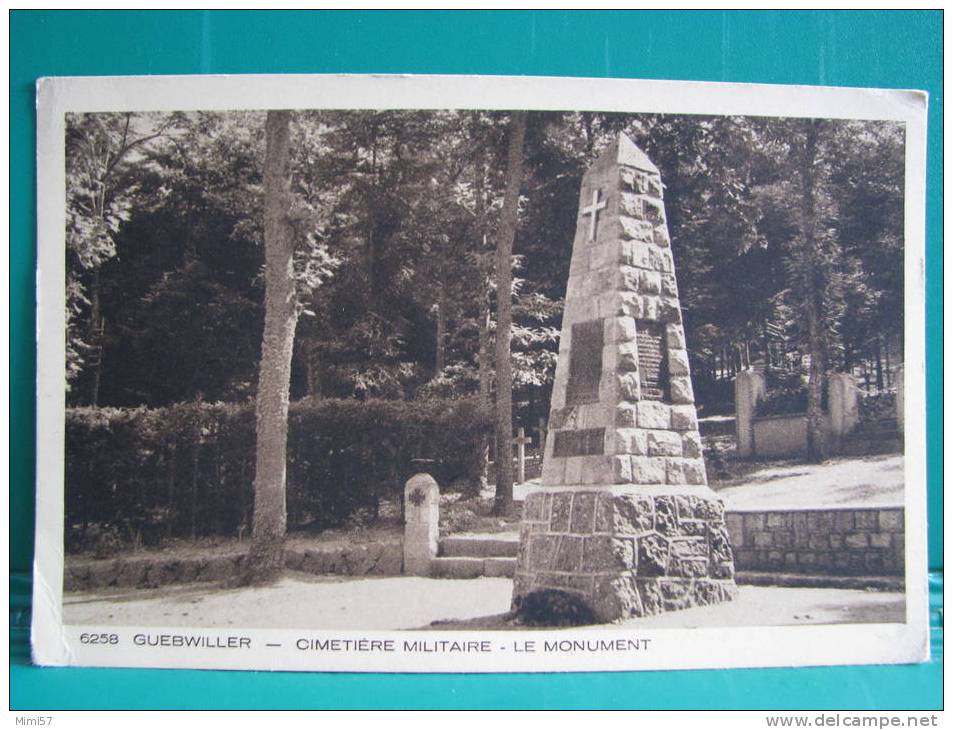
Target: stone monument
x,y
624,519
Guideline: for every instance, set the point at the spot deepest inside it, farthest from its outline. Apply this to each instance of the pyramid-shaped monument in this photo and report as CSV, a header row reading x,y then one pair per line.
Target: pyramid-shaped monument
x,y
623,519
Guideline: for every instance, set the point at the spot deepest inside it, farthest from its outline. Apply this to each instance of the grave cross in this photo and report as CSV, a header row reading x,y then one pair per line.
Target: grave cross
x,y
593,210
521,441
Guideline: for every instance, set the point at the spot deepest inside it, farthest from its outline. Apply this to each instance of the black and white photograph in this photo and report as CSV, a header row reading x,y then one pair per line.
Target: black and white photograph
x,y
410,374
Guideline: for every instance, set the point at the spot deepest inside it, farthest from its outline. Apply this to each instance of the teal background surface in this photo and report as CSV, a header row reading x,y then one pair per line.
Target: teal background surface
x,y
891,49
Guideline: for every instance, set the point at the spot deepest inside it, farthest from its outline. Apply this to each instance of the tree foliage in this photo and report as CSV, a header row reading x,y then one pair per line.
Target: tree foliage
x,y
165,286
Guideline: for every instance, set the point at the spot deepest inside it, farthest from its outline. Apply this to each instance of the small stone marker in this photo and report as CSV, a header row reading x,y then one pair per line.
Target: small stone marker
x,y
421,525
624,519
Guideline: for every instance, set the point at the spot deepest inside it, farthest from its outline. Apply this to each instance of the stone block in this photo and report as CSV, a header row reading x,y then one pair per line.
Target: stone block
x,y
630,305
675,336
625,416
616,597
880,540
560,512
653,556
624,514
777,520
629,387
763,539
542,551
843,520
692,445
677,362
607,553
681,390
622,469
583,513
499,567
573,471
865,519
712,510
626,358
684,418
836,541
635,253
686,471
568,558
856,540
664,443
631,204
649,307
630,441
890,519
631,228
685,506
620,329
650,282
784,539
581,584
554,470
819,542
668,311
666,516
597,470
676,593
533,507
820,521
660,236
753,521
719,545
650,595
649,470
669,288
651,414
735,525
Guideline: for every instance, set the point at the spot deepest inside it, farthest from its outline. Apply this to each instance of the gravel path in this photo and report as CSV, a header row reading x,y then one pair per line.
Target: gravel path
x,y
303,602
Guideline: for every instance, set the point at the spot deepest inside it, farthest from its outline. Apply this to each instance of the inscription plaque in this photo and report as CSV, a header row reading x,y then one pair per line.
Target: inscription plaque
x,y
585,442
653,360
585,363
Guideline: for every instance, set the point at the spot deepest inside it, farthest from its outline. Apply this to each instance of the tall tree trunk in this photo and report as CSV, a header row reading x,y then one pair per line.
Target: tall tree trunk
x,y
98,331
504,302
812,298
440,355
265,559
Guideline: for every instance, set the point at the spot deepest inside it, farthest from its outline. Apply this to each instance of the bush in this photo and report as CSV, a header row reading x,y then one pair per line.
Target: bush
x,y
788,400
877,406
188,470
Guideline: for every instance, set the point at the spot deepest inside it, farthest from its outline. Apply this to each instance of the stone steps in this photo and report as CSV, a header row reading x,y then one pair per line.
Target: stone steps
x,y
478,546
476,556
473,567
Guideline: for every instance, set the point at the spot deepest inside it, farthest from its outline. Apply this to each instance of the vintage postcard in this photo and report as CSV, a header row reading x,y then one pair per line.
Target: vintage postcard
x,y
466,374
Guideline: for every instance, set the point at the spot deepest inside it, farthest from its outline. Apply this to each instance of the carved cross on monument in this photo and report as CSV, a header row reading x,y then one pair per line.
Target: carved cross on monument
x,y
593,210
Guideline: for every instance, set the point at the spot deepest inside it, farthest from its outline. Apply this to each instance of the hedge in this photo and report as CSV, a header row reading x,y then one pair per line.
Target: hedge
x,y
188,470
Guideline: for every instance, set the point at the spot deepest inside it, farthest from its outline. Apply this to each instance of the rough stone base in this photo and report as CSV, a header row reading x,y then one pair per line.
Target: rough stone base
x,y
627,552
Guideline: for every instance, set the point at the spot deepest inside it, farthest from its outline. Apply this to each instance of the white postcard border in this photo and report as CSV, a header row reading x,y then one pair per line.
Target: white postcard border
x,y
56,644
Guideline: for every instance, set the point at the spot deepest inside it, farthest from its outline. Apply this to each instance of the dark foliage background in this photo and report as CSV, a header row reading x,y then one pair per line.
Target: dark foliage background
x,y
186,470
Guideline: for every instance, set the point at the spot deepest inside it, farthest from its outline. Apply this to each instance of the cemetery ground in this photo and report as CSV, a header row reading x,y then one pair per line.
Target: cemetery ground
x,y
373,601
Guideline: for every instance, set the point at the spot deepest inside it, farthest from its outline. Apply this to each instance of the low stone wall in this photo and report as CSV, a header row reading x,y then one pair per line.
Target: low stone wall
x,y
155,571
783,435
844,541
